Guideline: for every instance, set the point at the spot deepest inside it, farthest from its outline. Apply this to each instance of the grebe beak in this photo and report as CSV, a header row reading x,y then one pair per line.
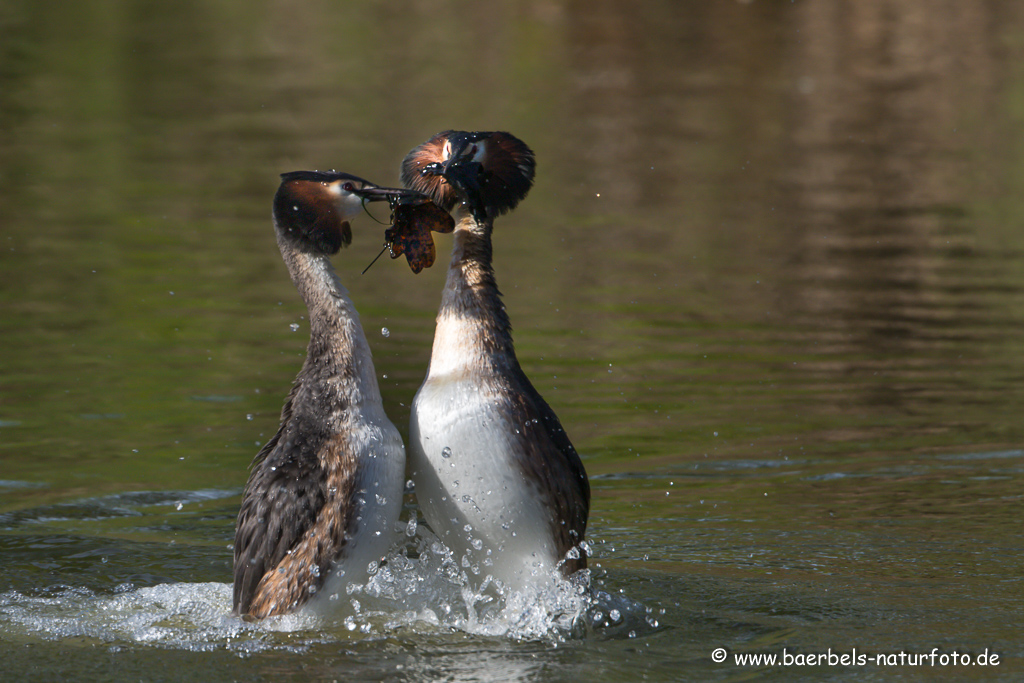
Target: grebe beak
x,y
391,194
465,176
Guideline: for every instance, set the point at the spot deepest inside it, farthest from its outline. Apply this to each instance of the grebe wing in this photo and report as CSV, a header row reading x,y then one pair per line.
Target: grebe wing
x,y
275,514
552,459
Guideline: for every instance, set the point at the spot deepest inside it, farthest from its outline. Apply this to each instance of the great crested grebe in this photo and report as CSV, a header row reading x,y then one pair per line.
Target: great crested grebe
x,y
325,492
496,475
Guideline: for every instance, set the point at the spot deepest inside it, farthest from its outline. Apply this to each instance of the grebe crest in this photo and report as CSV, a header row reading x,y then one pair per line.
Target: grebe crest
x,y
491,172
313,209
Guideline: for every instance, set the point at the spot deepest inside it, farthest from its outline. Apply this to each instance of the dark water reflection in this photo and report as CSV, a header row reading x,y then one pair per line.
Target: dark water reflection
x,y
771,277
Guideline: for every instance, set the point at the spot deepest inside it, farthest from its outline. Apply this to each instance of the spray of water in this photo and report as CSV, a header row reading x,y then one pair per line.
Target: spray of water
x,y
420,587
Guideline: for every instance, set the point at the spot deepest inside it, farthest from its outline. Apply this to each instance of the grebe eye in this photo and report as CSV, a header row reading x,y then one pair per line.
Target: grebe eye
x,y
348,187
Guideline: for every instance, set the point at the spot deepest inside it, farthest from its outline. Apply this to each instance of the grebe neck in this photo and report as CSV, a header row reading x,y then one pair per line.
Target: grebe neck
x,y
473,328
338,348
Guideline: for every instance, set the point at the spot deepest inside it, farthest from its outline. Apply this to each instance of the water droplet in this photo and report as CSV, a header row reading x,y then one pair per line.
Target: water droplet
x,y
477,543
178,505
381,500
295,327
446,452
385,332
248,416
614,615
410,486
410,528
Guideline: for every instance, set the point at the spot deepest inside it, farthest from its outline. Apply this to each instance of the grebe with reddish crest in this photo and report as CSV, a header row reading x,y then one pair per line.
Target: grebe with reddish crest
x,y
496,476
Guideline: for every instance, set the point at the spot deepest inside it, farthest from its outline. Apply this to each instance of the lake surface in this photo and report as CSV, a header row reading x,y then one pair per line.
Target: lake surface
x,y
771,278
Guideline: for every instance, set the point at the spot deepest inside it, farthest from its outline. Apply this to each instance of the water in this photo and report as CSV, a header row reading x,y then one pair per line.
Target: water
x,y
771,277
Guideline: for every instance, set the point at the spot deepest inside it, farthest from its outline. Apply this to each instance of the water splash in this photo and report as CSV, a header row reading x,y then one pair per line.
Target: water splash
x,y
422,585
190,616
419,588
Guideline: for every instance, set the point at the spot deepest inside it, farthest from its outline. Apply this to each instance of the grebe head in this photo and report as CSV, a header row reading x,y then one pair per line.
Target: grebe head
x,y
489,172
312,209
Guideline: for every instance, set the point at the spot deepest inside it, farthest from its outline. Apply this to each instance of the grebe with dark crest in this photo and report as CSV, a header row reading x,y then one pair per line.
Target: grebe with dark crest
x,y
324,493
496,476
